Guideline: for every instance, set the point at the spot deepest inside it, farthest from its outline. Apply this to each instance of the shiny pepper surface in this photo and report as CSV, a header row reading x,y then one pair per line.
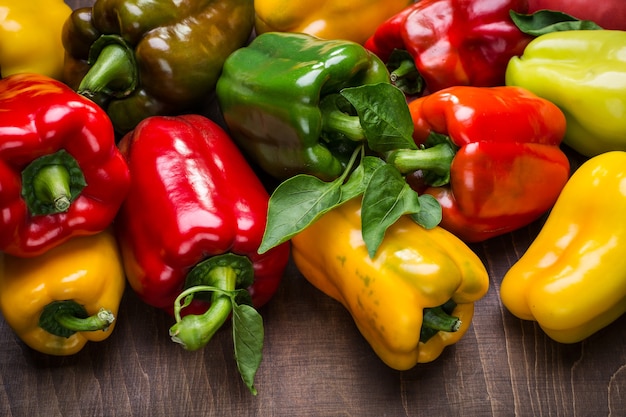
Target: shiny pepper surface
x,y
140,58
584,73
193,196
452,42
414,269
30,36
353,20
572,278
508,168
61,174
271,94
84,276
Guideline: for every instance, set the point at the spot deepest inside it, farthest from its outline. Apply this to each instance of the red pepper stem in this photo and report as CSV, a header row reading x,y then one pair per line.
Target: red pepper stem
x,y
195,331
436,159
113,69
406,68
51,184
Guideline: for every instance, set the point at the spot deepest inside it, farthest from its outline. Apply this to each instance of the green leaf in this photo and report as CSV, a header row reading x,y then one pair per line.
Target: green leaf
x,y
430,212
295,204
358,180
386,198
547,21
384,115
248,334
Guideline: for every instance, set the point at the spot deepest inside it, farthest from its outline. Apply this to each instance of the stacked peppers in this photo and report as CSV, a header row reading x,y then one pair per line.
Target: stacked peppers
x,y
62,181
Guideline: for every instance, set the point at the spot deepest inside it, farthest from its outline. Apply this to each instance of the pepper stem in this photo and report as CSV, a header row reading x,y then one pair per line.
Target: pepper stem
x,y
113,69
438,319
436,159
51,185
64,318
51,182
221,276
403,73
195,331
337,123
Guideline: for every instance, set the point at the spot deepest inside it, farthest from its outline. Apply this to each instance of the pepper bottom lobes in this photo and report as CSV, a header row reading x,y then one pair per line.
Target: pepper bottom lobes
x,y
410,301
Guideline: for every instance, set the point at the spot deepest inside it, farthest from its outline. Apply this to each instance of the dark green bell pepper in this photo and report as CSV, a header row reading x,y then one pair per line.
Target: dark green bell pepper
x,y
140,58
271,94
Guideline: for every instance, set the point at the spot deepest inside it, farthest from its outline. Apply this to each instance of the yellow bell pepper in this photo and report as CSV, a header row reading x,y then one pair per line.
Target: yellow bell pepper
x,y
30,36
415,274
70,295
572,278
353,20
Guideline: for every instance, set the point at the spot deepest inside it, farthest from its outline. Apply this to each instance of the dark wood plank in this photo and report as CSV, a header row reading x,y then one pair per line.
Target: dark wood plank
x,y
317,364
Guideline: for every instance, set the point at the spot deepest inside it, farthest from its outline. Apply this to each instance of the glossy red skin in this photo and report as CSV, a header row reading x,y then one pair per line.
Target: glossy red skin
x,y
509,169
454,42
193,196
39,116
610,14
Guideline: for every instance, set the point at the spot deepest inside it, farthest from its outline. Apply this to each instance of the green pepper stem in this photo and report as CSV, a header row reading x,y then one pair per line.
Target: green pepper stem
x,y
436,159
405,69
113,72
195,331
339,121
439,319
99,321
51,184
66,317
349,126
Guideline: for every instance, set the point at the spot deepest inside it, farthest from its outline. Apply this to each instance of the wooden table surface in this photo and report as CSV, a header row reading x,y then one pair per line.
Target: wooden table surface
x,y
317,364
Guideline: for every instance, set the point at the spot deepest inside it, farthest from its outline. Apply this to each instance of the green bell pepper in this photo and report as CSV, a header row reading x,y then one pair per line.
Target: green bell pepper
x,y
271,94
584,73
140,58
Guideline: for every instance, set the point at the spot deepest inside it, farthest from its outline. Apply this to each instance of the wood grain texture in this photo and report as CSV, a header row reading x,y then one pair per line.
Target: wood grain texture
x,y
317,364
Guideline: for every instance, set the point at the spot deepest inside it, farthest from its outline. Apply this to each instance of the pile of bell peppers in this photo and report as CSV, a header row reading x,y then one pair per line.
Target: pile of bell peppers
x,y
395,144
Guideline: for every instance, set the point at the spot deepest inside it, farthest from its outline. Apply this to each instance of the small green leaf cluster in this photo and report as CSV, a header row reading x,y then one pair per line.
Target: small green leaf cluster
x,y
386,124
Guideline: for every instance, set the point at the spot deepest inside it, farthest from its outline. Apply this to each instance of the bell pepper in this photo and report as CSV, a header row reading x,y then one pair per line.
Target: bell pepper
x,y
572,278
70,295
421,278
270,95
449,42
210,209
30,41
61,174
582,72
491,157
139,58
354,20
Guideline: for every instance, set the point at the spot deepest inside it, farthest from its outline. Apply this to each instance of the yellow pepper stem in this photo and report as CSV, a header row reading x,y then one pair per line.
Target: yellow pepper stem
x,y
438,319
64,318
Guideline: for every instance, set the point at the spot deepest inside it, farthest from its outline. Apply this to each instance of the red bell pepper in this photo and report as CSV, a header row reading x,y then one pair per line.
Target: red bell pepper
x,y
491,157
194,218
61,174
449,42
